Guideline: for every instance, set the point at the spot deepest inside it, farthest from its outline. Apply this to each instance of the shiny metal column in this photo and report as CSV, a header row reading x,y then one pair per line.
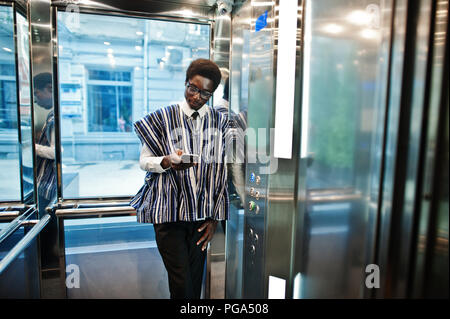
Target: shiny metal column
x,y
401,211
268,227
430,252
42,62
284,215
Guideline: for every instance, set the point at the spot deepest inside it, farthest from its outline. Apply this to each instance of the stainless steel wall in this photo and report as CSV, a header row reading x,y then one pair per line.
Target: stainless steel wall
x,y
346,58
357,212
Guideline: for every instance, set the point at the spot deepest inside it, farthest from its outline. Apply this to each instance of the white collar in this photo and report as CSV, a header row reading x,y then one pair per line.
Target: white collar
x,y
188,111
222,103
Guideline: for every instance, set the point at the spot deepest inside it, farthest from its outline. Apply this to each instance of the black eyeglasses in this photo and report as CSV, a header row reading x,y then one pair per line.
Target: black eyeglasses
x,y
192,89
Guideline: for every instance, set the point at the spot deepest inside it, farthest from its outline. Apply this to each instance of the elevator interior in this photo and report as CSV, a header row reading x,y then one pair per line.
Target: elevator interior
x,y
345,199
339,162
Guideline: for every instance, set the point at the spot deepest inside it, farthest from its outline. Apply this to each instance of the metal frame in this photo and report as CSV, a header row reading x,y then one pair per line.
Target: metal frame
x,y
148,9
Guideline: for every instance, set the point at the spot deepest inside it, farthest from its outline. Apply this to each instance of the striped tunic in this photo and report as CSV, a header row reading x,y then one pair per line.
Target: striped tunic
x,y
46,173
188,195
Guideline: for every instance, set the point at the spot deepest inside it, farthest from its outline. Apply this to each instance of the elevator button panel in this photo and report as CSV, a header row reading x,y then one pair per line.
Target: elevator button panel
x,y
256,190
255,179
253,207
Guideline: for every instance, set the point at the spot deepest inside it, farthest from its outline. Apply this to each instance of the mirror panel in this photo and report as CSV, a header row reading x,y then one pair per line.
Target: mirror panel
x,y
25,110
9,137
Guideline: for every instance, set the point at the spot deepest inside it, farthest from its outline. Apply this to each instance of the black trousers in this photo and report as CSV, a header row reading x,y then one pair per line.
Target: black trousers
x,y
183,259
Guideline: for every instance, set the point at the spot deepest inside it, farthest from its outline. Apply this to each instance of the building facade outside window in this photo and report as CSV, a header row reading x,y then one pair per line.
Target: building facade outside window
x,y
109,101
113,71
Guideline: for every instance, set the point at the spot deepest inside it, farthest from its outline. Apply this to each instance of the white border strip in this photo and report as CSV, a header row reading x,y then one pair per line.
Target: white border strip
x,y
285,90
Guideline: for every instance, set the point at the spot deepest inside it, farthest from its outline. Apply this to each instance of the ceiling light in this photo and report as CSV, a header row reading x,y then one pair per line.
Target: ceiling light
x,y
369,34
333,28
358,17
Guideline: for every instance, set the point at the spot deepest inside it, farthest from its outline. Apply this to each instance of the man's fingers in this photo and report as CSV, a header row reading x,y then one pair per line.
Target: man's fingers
x,y
202,227
209,228
203,238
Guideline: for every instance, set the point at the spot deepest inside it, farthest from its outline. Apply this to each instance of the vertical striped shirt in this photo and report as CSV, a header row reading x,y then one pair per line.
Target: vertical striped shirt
x,y
46,173
187,195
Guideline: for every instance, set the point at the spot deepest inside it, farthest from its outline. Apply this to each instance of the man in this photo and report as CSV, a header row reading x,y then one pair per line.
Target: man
x,y
235,145
184,201
45,146
45,165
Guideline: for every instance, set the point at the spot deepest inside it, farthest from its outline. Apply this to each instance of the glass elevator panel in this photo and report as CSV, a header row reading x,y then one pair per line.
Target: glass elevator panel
x,y
24,87
240,67
115,257
9,138
112,72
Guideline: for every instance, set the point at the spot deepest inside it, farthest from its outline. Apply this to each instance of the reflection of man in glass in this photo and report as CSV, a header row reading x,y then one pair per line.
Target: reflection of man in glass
x,y
45,148
235,152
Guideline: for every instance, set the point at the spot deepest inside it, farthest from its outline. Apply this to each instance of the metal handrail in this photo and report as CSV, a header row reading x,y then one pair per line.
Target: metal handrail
x,y
9,215
24,243
94,211
8,206
90,204
16,223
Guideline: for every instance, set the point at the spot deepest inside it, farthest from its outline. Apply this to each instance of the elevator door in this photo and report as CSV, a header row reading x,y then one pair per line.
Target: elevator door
x,y
343,99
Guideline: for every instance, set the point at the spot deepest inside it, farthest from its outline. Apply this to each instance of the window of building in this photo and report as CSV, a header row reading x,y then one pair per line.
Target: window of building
x,y
109,101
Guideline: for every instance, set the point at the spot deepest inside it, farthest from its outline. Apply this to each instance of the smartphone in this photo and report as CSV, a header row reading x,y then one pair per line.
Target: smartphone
x,y
189,158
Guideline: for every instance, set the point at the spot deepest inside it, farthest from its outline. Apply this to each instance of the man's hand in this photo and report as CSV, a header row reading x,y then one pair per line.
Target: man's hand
x,y
209,227
174,161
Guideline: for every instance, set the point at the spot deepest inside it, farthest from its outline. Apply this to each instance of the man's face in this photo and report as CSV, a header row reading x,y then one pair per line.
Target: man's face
x,y
44,97
198,83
